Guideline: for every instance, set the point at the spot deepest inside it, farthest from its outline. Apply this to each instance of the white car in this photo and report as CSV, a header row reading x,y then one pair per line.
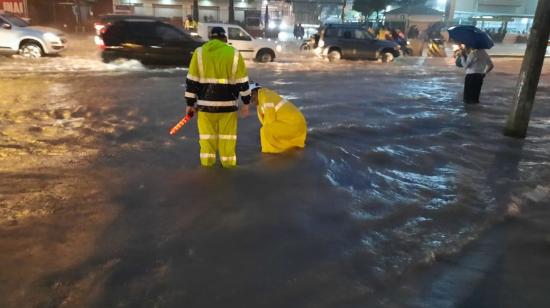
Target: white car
x,y
17,36
262,50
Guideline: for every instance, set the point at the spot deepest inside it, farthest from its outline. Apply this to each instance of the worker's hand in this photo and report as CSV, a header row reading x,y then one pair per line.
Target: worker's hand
x,y
190,110
245,111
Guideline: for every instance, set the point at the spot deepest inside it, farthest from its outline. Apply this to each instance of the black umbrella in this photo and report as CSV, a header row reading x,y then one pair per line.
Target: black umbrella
x,y
471,37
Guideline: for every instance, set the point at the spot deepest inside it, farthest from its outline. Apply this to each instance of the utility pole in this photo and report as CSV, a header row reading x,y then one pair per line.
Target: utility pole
x,y
343,17
450,7
196,10
518,119
231,11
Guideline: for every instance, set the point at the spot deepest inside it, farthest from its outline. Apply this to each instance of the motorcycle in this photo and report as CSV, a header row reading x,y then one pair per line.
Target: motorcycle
x,y
436,48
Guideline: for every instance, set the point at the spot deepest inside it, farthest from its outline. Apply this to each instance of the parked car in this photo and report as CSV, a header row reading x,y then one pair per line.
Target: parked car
x,y
148,40
18,37
262,50
343,41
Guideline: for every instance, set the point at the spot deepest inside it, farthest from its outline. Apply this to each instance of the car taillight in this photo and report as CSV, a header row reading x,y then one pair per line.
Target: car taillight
x,y
98,27
99,42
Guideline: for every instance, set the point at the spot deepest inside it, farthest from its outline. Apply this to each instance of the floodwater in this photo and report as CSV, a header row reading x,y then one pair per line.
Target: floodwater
x,y
400,198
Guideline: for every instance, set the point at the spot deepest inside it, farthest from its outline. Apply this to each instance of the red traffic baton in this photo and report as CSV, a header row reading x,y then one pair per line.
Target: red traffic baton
x,y
181,123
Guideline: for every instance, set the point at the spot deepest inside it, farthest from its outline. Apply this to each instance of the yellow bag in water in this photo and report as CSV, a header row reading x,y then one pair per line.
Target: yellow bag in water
x,y
283,125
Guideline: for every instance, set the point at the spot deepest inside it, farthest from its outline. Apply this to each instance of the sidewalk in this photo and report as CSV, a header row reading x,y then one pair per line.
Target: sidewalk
x,y
510,51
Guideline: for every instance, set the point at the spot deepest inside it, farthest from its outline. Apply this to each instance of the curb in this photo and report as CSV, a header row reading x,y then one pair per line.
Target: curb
x,y
511,56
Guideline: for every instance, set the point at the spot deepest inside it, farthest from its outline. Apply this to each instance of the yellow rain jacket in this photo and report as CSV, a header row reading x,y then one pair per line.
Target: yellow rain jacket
x,y
283,125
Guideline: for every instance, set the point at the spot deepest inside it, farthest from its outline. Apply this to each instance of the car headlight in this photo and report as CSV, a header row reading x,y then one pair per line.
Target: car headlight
x,y
279,48
50,37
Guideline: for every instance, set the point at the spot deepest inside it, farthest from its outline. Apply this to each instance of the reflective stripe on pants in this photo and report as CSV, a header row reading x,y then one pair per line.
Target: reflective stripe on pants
x,y
218,132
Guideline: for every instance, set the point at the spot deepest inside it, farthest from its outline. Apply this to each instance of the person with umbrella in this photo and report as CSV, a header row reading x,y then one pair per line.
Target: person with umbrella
x,y
474,58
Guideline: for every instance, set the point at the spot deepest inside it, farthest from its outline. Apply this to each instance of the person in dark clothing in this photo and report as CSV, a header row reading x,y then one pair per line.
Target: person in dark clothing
x,y
477,64
413,32
301,31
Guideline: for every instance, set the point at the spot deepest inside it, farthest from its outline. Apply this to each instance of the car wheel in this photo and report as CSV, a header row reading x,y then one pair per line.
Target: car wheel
x,y
31,51
387,57
334,55
107,59
265,56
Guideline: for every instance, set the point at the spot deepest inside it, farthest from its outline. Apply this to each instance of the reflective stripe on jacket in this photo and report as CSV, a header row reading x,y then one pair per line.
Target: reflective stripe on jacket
x,y
217,77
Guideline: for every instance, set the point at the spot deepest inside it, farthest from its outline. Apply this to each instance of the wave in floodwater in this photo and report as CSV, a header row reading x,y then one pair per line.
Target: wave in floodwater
x,y
401,162
426,175
62,64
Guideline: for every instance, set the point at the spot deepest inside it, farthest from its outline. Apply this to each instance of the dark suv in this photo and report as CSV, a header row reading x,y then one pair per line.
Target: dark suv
x,y
148,40
350,41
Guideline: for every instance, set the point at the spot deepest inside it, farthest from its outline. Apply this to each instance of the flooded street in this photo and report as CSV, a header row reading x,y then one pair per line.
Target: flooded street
x,y
401,197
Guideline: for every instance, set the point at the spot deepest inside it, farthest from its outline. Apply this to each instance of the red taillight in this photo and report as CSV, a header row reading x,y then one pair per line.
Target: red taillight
x,y
99,42
98,27
100,30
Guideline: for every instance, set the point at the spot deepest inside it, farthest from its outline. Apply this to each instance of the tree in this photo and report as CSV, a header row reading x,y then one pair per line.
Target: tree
x,y
367,7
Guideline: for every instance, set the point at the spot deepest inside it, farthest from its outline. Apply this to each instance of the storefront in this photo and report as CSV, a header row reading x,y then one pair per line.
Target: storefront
x,y
515,16
178,10
209,13
418,15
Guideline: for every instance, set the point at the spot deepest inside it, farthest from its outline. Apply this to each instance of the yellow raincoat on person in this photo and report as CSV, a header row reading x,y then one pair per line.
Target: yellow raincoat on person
x,y
283,125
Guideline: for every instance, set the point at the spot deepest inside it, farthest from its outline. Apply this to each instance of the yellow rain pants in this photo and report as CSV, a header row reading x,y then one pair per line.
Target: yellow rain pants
x,y
218,132
283,125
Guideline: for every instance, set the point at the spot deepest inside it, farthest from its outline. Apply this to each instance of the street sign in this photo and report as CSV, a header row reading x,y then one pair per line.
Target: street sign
x,y
123,9
16,7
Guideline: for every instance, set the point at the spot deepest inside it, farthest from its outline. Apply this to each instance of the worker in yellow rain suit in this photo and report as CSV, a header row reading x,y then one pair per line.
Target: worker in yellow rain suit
x,y
217,76
283,125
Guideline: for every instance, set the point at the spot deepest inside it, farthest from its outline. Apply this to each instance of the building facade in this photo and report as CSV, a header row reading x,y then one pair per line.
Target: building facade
x,y
514,15
177,10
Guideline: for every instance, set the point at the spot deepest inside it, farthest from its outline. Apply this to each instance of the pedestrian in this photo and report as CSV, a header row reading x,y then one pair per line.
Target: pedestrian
x,y
217,76
382,33
283,125
477,64
301,31
401,39
371,31
413,32
394,35
190,25
296,31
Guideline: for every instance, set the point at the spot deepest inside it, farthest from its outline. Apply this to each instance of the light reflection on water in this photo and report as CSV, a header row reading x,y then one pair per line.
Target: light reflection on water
x,y
420,168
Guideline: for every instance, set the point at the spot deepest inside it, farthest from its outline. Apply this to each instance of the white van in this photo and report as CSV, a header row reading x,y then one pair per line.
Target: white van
x,y
262,50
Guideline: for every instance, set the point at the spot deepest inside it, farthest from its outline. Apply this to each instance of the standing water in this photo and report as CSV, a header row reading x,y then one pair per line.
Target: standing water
x,y
397,174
